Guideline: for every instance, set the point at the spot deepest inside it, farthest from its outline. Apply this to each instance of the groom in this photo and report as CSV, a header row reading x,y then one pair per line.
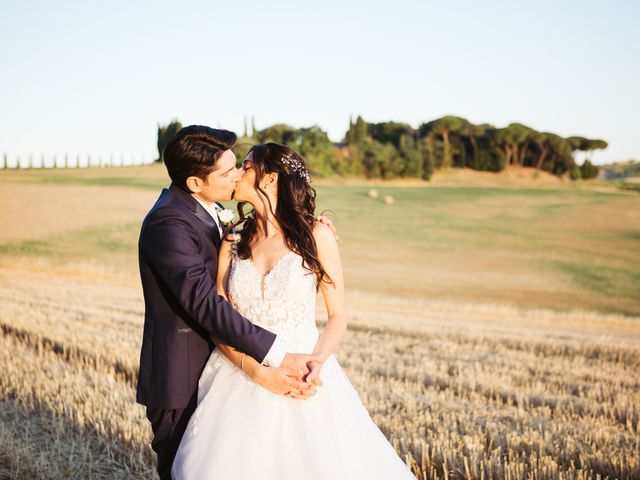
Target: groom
x,y
178,257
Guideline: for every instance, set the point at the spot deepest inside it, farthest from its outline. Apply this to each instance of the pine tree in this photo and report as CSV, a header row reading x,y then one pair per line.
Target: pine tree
x,y
164,134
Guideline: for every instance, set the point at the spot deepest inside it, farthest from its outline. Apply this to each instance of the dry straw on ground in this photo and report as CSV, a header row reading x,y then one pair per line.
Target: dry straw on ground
x,y
460,392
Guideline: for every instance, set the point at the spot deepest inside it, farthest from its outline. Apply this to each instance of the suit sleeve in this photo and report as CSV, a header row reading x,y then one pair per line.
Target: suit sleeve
x,y
170,245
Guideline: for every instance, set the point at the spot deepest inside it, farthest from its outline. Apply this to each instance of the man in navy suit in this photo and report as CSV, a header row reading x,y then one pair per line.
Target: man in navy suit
x,y
178,256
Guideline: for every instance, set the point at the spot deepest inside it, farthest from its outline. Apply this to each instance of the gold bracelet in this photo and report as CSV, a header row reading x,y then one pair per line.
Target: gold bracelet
x,y
242,362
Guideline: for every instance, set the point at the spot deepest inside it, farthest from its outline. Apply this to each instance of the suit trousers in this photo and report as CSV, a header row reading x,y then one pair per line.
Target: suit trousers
x,y
168,427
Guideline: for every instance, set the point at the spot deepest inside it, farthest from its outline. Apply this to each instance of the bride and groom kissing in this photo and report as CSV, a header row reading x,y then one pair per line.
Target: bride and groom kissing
x,y
237,381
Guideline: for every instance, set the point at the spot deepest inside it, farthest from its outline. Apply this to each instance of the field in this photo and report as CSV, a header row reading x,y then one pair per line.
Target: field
x,y
494,324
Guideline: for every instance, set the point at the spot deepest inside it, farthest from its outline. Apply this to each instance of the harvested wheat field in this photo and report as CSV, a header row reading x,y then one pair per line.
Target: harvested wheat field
x,y
495,399
532,375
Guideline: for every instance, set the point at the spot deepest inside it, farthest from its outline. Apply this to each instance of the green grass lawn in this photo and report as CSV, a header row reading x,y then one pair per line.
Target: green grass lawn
x,y
560,248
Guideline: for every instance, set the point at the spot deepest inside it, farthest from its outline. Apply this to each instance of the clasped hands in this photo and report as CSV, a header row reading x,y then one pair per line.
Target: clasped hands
x,y
297,377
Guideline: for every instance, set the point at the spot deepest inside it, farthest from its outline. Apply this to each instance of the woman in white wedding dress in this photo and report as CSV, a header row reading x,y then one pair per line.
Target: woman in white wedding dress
x,y
241,429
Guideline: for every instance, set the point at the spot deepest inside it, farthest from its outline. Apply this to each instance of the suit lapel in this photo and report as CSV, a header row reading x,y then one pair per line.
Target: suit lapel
x,y
199,211
204,216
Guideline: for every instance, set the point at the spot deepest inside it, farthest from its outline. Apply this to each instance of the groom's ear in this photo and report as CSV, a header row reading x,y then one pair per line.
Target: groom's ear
x,y
194,184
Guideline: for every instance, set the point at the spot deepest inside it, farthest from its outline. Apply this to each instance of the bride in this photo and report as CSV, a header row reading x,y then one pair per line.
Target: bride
x,y
246,427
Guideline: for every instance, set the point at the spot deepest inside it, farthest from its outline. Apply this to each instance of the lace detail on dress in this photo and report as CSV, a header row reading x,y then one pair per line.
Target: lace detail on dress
x,y
282,301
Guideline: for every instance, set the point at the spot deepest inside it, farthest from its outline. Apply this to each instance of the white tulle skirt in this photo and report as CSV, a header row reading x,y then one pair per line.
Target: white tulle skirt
x,y
242,431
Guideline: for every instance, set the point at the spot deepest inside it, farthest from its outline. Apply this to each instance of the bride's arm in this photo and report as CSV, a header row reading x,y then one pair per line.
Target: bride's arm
x,y
333,294
224,262
244,362
277,380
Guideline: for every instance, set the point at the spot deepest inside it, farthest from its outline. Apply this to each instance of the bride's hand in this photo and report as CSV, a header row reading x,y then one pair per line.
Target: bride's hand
x,y
312,382
281,381
313,377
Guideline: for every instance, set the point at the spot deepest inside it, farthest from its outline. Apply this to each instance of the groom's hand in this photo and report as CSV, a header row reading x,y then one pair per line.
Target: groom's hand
x,y
281,381
299,363
327,221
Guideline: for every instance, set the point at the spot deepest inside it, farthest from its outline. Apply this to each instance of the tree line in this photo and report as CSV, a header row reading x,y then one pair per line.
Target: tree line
x,y
388,150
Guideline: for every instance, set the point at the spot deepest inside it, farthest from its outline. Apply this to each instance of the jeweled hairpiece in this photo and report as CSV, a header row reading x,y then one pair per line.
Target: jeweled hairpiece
x,y
297,166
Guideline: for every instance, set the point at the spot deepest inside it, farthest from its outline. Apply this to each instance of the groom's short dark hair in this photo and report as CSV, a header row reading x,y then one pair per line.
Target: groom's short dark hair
x,y
194,150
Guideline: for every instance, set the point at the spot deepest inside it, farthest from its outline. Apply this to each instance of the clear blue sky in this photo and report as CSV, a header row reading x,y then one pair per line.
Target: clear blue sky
x,y
89,76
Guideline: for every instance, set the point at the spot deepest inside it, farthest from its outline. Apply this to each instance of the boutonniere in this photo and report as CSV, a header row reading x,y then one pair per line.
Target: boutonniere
x,y
226,216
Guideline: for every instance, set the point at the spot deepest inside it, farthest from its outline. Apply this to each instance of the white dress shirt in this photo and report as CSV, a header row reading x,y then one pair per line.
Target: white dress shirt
x,y
278,350
211,210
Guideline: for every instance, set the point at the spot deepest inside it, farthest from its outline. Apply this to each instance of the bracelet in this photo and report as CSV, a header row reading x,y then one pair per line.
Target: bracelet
x,y
242,362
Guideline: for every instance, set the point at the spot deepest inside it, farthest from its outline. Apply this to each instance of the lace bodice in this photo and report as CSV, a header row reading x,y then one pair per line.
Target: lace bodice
x,y
282,301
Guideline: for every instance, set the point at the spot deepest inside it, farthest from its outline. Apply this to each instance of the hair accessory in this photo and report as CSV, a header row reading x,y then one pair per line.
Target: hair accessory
x,y
297,166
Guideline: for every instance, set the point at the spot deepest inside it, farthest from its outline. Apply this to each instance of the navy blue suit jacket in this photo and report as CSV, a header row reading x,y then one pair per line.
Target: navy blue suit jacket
x,y
178,256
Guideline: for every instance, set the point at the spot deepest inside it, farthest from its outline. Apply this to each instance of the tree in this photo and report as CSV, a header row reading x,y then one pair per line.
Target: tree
x,y
490,153
578,143
527,132
314,145
412,157
444,127
357,131
595,144
588,170
427,168
575,173
351,162
426,146
402,137
511,138
586,145
472,132
278,133
164,135
561,155
389,132
381,160
540,140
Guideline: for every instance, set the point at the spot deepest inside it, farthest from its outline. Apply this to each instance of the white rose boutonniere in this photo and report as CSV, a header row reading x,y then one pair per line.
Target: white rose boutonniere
x,y
226,216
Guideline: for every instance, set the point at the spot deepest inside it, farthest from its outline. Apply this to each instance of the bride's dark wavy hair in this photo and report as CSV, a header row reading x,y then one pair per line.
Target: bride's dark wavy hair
x,y
295,209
